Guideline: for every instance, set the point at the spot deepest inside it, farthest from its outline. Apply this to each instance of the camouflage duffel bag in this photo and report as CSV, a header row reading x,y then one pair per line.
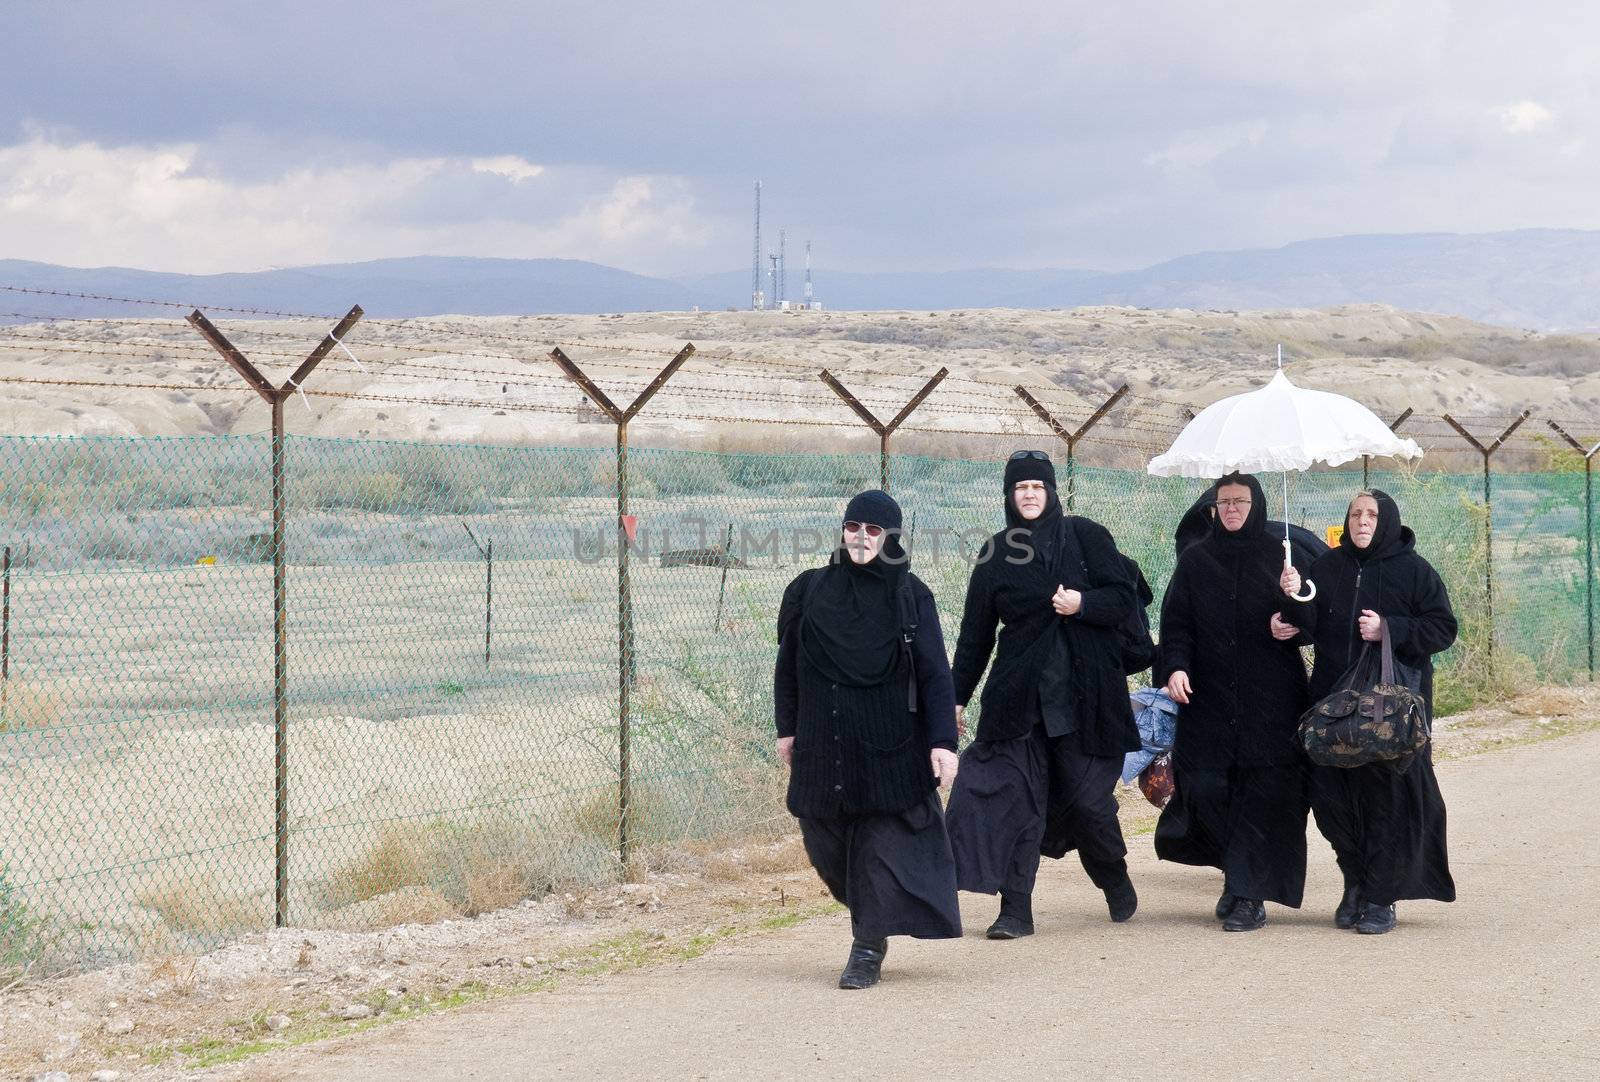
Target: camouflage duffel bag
x,y
1371,717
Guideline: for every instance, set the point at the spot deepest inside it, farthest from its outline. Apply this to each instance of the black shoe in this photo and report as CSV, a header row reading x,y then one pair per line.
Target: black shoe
x,y
1376,919
1016,916
1349,911
1248,915
1225,905
865,965
1122,900
1009,926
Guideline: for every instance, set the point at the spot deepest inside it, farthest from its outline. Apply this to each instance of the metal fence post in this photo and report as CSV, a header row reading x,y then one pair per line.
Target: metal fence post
x,y
1588,454
275,397
1487,451
1071,438
882,428
625,639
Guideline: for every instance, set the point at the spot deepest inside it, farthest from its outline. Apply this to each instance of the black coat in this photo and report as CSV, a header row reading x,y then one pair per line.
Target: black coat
x,y
1036,644
1398,585
861,750
1249,688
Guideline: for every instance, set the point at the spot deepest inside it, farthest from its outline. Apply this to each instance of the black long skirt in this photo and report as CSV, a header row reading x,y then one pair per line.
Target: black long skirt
x,y
1250,822
895,872
1015,800
1387,830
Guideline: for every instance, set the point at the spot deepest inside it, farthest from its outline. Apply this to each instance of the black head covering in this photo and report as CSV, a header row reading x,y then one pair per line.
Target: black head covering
x,y
1196,526
1255,525
1032,468
851,627
1390,537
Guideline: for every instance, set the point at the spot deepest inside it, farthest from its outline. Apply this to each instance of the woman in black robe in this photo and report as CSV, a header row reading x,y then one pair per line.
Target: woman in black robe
x,y
1041,774
1387,828
866,724
1233,666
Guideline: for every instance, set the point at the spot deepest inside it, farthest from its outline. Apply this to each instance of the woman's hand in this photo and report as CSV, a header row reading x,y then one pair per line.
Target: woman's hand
x,y
945,764
1290,581
961,723
1281,631
1178,688
786,750
1371,625
1066,602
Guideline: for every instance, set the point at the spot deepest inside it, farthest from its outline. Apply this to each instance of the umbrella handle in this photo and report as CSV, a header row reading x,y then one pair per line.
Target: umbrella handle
x,y
1310,587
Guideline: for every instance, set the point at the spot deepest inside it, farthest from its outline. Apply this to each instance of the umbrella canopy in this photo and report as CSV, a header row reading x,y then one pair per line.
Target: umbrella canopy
x,y
1278,427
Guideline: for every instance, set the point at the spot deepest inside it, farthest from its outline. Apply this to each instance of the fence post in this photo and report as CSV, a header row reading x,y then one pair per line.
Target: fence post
x,y
722,590
625,640
487,552
1488,515
1588,454
5,642
884,430
275,397
1071,438
1366,460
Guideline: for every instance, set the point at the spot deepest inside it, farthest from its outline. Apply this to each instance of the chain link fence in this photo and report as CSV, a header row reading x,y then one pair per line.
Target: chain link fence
x,y
453,676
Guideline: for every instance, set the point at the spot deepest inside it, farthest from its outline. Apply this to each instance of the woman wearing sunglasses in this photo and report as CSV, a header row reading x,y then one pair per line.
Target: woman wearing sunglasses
x,y
1041,774
866,725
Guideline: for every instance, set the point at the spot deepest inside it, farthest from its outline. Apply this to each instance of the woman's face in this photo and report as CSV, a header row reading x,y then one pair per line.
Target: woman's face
x,y
1029,498
1233,506
863,541
1362,522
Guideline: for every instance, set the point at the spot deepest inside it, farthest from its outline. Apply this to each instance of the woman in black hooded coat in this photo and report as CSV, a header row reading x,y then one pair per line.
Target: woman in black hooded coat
x,y
1387,827
866,723
1040,776
1233,665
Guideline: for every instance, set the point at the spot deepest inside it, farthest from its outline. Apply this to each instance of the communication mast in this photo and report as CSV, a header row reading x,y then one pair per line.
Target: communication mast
x,y
758,299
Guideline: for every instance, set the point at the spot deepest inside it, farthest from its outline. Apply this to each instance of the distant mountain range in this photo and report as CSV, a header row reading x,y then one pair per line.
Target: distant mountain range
x,y
1544,279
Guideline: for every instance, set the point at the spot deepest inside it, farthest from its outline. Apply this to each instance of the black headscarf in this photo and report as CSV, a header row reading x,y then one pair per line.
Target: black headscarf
x,y
851,627
1255,525
1032,468
1387,539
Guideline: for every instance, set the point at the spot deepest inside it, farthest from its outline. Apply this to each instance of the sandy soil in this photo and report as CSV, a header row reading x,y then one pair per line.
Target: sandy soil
x,y
764,366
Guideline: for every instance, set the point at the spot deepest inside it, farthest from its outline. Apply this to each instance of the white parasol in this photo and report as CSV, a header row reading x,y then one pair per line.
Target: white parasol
x,y
1279,427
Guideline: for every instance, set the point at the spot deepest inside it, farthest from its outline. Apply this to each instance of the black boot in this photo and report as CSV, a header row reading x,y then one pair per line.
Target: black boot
x,y
1015,919
1349,911
1225,905
1248,915
865,965
1376,919
1122,900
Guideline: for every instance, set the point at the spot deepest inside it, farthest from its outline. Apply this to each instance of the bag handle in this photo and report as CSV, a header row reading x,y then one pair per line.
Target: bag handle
x,y
1385,669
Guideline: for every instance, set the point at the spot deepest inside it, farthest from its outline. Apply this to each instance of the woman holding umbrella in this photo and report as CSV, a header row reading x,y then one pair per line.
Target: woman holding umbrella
x,y
1387,827
1232,665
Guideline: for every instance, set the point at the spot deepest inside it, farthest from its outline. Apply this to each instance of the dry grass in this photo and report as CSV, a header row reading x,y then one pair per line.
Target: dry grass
x,y
29,706
427,871
196,906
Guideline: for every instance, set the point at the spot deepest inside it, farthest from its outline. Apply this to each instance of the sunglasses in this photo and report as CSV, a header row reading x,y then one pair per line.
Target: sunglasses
x,y
873,530
1040,455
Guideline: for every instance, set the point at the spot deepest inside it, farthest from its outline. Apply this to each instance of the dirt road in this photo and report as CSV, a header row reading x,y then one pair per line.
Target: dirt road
x,y
1505,983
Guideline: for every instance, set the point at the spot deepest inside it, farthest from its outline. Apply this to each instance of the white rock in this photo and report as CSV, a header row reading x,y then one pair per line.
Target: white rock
x,y
119,1027
529,962
52,1076
105,1076
355,1011
277,1023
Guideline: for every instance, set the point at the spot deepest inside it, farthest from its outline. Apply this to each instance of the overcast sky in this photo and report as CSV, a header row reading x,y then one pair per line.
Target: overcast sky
x,y
235,136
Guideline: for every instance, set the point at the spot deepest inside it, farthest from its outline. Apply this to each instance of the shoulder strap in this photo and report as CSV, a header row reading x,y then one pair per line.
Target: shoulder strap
x,y
908,635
